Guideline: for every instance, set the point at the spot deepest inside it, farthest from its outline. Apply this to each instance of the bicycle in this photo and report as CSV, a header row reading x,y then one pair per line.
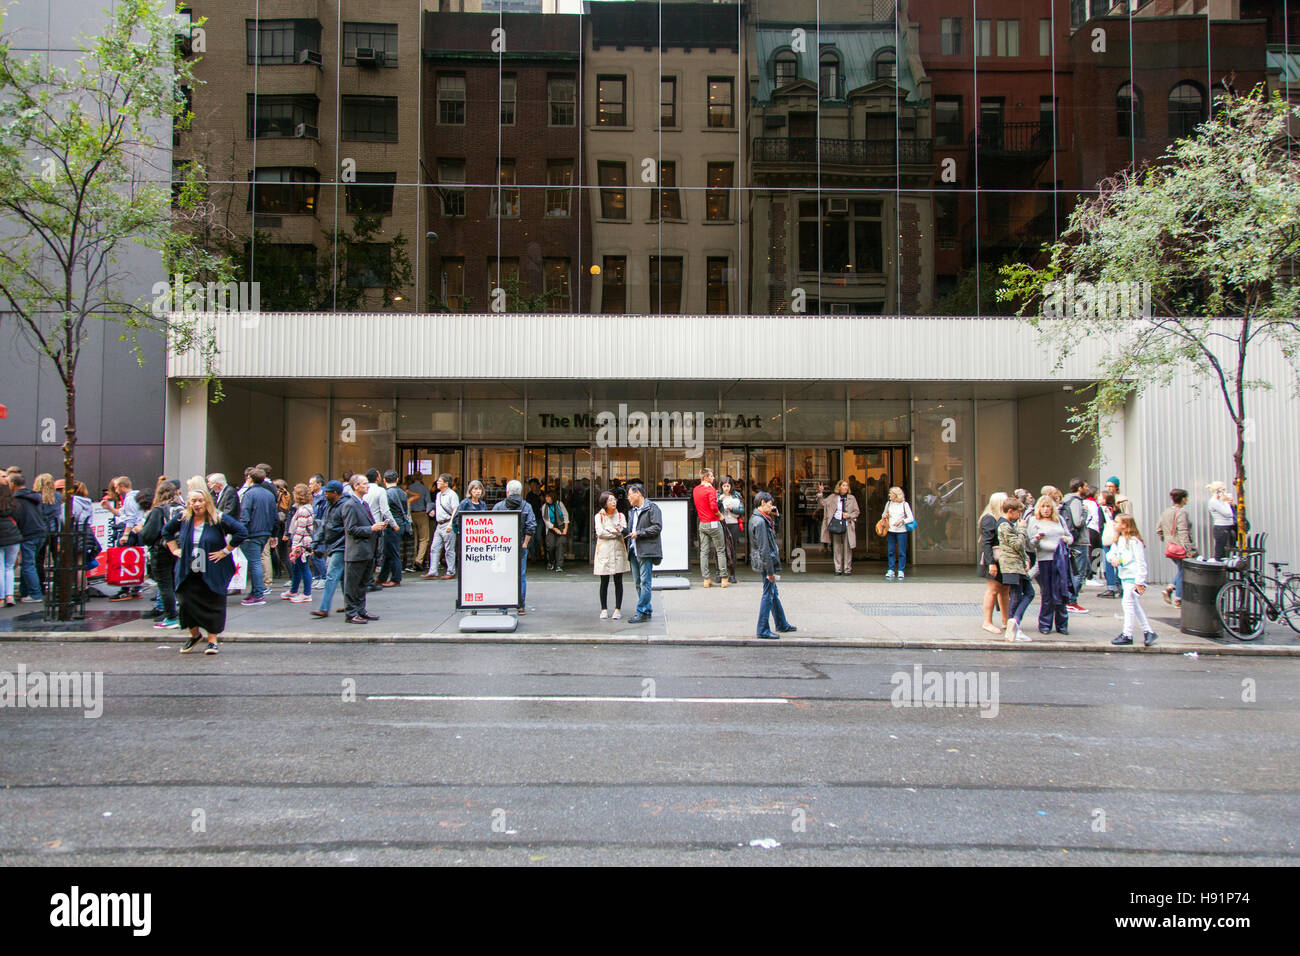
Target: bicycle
x,y
1244,606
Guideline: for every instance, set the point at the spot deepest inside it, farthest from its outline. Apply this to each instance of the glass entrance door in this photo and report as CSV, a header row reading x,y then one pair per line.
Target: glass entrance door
x,y
494,466
871,472
813,474
567,470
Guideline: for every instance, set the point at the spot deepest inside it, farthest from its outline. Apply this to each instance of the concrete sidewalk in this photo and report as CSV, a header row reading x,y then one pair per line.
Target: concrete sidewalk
x,y
932,608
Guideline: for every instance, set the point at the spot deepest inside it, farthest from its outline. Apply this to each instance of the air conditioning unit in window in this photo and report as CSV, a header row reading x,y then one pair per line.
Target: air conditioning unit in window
x,y
367,56
305,131
311,57
837,206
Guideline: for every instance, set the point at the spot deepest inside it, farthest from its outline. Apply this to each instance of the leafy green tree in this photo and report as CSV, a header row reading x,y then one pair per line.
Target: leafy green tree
x,y
1214,229
84,177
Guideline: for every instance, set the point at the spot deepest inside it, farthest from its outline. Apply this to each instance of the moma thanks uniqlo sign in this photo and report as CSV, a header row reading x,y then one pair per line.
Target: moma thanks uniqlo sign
x,y
490,555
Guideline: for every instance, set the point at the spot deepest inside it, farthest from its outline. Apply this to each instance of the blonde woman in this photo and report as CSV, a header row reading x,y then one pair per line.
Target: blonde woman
x,y
839,524
202,540
1052,542
1129,556
995,591
898,514
1223,518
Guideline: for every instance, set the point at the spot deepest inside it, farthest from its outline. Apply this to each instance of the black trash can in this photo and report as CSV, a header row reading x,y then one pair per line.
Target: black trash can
x,y
1201,583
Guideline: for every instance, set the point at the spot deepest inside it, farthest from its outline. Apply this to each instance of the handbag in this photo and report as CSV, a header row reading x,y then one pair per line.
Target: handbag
x,y
837,526
1175,550
911,519
882,526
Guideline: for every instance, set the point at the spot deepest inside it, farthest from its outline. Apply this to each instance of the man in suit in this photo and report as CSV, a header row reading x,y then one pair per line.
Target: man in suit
x,y
644,547
764,559
227,497
359,532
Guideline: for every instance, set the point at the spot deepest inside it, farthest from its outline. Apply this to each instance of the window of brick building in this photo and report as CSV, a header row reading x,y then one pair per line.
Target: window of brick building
x,y
717,198
613,285
611,101
666,284
451,100
613,190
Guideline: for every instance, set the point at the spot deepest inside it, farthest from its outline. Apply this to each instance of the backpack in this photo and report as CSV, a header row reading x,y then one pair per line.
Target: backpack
x,y
1067,516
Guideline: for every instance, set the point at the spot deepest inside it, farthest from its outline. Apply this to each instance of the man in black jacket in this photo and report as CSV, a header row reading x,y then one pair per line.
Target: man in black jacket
x,y
644,548
764,558
329,542
27,512
360,530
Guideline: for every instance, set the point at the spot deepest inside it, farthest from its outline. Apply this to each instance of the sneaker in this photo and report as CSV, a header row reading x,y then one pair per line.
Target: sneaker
x,y
1168,595
251,601
300,599
1178,602
604,614
168,623
1148,638
889,575
1095,583
1122,640
901,575
1022,637
189,645
1011,631
211,648
286,596
522,611
32,600
119,596
1108,593
617,614
1076,609
318,584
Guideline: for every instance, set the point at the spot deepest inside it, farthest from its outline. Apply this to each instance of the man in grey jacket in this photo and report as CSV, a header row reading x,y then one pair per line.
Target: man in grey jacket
x,y
645,549
765,559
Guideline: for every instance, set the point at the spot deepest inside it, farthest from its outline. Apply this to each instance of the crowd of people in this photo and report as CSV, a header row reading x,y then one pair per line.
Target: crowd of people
x,y
362,533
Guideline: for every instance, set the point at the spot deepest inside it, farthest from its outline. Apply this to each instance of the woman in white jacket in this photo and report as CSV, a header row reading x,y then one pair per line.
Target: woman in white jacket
x,y
1129,557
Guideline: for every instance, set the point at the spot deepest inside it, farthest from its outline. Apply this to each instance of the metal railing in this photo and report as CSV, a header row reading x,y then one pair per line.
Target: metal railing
x,y
1031,137
849,152
65,585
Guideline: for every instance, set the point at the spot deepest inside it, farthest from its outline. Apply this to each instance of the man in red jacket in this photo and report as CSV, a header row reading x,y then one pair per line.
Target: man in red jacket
x,y
705,497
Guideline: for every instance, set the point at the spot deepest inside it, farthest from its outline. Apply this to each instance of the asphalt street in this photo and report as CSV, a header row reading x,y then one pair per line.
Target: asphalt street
x,y
484,753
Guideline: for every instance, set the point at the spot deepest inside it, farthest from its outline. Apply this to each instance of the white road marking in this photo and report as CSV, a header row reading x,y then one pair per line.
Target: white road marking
x,y
580,700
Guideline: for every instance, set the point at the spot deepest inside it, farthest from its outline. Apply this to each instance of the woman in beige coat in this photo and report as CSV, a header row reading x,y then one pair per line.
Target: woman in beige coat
x,y
611,553
840,504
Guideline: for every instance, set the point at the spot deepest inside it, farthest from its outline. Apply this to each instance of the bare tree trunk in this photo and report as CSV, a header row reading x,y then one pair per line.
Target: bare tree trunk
x,y
65,578
1239,463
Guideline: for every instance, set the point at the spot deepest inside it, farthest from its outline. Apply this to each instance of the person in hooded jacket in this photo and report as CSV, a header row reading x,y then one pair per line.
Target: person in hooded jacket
x,y
11,541
31,522
514,501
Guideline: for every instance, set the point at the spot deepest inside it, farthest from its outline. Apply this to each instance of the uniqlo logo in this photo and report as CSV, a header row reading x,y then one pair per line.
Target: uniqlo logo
x,y
471,596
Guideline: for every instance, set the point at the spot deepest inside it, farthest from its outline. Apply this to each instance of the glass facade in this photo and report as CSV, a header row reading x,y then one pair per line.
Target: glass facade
x,y
854,157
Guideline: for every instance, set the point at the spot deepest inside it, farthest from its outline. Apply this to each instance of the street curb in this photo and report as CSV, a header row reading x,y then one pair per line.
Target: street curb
x,y
160,637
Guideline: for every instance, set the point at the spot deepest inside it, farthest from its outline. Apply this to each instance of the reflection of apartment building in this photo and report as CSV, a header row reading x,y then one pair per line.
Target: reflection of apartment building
x,y
1130,118
307,115
662,146
841,156
502,145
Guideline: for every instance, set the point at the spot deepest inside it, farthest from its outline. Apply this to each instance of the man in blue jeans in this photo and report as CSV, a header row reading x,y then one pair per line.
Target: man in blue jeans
x,y
645,548
257,514
764,558
329,541
27,513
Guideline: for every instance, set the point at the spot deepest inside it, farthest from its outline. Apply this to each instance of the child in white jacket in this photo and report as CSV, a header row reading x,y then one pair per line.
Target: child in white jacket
x,y
1129,557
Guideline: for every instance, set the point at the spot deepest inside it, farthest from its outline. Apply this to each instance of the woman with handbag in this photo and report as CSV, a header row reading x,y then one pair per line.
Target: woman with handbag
x,y
1223,519
1175,530
202,540
732,507
899,520
995,592
839,524
611,553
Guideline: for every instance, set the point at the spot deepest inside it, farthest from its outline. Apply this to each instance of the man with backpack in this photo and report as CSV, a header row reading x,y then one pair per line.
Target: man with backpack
x,y
390,574
1074,515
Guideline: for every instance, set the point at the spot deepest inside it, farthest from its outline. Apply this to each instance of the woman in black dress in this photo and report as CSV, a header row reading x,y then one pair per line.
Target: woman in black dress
x,y
202,539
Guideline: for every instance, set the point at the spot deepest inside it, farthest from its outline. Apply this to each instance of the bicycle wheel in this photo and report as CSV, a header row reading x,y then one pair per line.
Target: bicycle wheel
x,y
1291,603
1241,610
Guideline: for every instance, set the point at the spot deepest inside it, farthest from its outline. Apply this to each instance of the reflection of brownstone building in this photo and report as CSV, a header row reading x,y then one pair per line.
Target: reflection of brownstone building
x,y
502,134
1176,70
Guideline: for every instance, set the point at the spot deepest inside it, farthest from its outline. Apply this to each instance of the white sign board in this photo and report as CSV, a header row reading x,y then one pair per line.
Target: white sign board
x,y
487,574
675,536
100,519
